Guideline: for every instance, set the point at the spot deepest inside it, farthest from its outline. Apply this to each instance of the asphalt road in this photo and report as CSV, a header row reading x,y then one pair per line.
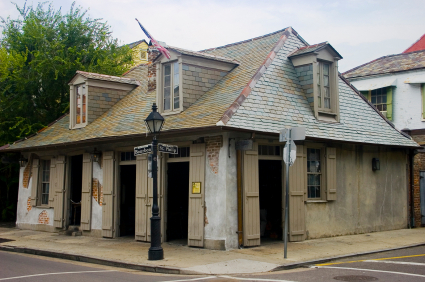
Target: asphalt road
x,y
403,265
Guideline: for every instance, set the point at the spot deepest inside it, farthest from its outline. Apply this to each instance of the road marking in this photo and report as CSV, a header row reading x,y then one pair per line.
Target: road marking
x,y
56,273
372,270
333,263
253,279
194,279
396,262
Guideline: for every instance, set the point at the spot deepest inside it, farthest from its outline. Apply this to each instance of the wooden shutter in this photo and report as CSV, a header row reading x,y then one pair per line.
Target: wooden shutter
x,y
108,194
297,190
251,192
196,201
34,185
53,182
331,174
150,199
390,103
86,192
58,191
423,100
142,220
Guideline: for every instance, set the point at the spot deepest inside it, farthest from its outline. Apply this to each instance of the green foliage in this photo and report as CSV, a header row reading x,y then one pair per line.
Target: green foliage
x,y
39,53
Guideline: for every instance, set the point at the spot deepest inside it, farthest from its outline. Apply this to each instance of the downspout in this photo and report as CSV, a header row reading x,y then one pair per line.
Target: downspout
x,y
412,188
239,184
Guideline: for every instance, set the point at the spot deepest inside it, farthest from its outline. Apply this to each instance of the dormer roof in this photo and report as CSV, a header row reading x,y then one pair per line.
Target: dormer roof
x,y
314,49
104,77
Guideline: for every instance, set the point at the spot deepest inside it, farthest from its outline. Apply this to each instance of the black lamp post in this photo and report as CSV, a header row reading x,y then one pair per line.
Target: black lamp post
x,y
154,123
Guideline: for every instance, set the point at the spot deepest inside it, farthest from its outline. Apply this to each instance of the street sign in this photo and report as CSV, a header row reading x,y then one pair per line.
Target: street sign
x,y
297,133
292,154
170,149
244,145
143,149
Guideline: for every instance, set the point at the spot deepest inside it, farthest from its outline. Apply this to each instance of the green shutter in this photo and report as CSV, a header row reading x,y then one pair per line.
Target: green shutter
x,y
365,94
390,103
423,100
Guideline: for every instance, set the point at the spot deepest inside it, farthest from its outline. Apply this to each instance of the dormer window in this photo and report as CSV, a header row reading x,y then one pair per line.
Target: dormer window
x,y
171,87
80,104
317,70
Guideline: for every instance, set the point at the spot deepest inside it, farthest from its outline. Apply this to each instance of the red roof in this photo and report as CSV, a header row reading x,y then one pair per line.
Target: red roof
x,y
417,46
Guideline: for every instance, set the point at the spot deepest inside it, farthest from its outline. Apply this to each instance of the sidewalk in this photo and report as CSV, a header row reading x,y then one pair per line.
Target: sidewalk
x,y
125,252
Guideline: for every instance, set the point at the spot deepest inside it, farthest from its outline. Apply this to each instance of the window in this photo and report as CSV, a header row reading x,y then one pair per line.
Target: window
x,y
314,173
323,86
171,89
183,152
266,150
45,181
128,156
80,105
144,55
379,99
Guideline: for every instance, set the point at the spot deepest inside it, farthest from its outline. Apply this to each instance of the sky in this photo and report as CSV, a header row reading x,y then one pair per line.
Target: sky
x,y
360,31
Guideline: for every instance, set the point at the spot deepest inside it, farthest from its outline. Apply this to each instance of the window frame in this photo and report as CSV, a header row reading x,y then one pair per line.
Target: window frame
x,y
160,87
74,105
41,182
321,87
323,172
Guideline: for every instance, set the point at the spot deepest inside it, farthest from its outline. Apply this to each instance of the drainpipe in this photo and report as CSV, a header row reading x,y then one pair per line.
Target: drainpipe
x,y
412,189
239,184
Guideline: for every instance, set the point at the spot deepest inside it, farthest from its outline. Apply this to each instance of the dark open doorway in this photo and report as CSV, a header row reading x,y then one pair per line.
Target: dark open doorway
x,y
178,202
127,200
270,176
75,191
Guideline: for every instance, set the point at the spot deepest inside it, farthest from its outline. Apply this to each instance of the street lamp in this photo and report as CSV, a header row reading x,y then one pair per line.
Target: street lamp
x,y
154,123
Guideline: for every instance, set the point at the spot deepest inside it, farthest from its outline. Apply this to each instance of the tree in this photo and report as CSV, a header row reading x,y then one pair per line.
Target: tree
x,y
40,51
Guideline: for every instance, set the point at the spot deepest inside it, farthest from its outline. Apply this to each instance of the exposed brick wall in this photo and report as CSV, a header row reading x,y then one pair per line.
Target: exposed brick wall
x,y
197,81
305,75
213,145
153,53
43,217
418,166
29,206
102,99
97,191
27,174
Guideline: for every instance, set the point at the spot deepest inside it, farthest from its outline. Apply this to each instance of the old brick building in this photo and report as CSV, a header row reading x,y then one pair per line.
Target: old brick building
x,y
213,193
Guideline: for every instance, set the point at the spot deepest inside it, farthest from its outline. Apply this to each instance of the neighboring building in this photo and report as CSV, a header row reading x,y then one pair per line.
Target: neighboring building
x,y
213,100
140,52
395,85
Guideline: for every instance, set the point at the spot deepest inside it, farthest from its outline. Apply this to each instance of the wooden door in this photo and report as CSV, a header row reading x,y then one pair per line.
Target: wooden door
x,y
108,194
196,197
86,192
297,189
59,192
141,198
251,194
422,194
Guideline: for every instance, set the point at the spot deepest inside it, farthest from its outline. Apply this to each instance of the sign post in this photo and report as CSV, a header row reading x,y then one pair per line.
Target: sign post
x,y
288,135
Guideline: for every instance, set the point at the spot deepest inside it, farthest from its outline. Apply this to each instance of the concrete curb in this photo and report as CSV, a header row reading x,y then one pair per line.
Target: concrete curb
x,y
114,263
328,259
176,270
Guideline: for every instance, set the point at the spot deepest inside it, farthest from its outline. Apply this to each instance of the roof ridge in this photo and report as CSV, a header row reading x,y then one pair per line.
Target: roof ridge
x,y
232,109
246,40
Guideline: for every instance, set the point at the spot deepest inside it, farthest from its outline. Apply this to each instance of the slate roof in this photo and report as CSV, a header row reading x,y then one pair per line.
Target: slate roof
x,y
275,100
131,45
110,78
389,64
203,55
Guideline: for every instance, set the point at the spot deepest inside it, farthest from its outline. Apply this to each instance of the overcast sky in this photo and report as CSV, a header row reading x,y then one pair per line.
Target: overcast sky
x,y
359,30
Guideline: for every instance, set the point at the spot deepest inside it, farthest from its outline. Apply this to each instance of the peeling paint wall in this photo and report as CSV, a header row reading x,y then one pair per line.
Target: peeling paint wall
x,y
96,221
367,201
27,216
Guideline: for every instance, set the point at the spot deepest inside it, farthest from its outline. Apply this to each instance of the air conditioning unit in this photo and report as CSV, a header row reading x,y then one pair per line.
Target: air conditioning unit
x,y
384,113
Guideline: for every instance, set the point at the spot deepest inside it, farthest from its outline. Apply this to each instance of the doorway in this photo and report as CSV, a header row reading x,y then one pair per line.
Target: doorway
x,y
422,194
75,191
127,200
270,177
178,202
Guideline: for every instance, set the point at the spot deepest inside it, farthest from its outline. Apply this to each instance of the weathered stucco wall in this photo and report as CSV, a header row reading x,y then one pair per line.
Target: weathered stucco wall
x,y
29,217
220,195
97,197
367,200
